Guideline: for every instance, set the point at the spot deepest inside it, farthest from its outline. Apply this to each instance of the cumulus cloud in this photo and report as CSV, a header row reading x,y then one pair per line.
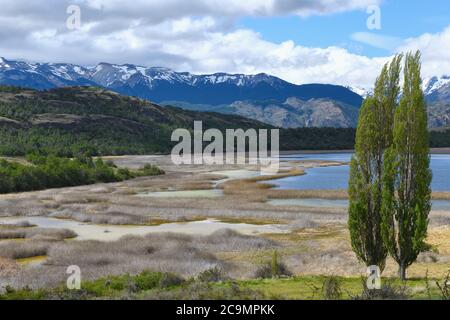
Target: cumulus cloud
x,y
377,40
435,50
197,36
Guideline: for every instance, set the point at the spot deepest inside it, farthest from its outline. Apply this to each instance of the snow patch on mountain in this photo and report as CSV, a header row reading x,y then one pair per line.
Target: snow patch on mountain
x,y
433,84
363,92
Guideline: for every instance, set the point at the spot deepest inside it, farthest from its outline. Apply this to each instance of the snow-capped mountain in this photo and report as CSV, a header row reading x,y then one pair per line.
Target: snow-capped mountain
x,y
433,88
363,92
437,88
162,84
433,84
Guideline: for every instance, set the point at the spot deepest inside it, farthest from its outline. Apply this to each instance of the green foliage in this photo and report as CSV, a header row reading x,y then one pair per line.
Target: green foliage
x,y
444,287
211,275
55,172
273,269
317,139
407,174
331,288
145,285
77,120
275,263
10,89
388,291
373,136
150,170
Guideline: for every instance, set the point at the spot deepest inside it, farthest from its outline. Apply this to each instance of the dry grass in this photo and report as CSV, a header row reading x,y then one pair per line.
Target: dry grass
x,y
440,195
21,224
8,267
167,252
19,250
317,241
309,194
254,185
36,234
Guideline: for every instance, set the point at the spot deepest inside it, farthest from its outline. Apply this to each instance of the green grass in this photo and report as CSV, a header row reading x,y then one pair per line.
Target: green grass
x,y
149,285
310,287
112,287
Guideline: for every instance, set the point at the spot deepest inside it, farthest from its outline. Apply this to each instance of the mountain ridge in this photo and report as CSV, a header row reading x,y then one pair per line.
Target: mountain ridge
x,y
162,84
239,94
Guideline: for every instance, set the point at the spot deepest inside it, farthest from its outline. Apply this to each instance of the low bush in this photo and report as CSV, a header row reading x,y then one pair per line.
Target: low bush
x,y
331,289
272,269
388,291
212,275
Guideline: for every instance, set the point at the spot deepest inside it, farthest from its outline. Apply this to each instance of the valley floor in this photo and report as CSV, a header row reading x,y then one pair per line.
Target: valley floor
x,y
192,219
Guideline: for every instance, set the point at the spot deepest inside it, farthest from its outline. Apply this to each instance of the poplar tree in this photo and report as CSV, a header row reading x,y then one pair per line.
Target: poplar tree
x,y
407,174
373,137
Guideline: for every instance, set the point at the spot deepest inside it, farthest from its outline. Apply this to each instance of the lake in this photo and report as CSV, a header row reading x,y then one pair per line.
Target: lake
x,y
337,177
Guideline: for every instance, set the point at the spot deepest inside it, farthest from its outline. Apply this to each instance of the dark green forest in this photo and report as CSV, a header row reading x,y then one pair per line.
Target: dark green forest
x,y
45,172
71,121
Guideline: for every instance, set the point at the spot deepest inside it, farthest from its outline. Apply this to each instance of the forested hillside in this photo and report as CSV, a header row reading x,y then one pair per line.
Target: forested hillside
x,y
86,120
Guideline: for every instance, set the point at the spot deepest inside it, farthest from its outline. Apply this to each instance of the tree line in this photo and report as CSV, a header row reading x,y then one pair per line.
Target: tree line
x,y
390,176
44,172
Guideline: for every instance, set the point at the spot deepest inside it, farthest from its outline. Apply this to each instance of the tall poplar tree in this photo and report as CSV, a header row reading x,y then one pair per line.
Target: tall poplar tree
x,y
373,137
407,174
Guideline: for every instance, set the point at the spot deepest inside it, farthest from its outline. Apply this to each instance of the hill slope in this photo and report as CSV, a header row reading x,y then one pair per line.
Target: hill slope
x,y
73,119
292,113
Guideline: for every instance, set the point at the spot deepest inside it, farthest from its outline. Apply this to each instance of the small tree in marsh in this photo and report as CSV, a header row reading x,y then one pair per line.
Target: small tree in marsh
x,y
407,175
373,137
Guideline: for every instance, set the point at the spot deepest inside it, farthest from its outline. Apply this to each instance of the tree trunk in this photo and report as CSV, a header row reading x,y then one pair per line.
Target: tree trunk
x,y
402,271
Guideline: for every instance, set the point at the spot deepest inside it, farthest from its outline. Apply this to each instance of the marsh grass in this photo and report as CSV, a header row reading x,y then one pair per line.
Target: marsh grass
x,y
273,268
20,250
166,252
36,233
253,221
20,224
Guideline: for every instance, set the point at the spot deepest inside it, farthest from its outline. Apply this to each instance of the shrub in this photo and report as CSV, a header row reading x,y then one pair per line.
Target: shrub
x,y
197,290
170,280
331,289
444,287
388,291
56,172
211,275
150,170
274,268
148,280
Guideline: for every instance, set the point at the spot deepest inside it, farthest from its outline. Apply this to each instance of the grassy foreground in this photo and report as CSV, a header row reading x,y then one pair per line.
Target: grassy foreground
x,y
156,285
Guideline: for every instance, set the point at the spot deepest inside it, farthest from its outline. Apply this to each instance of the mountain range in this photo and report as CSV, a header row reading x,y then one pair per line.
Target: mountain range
x,y
261,97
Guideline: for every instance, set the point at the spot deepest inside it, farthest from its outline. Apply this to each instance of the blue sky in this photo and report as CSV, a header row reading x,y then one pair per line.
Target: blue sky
x,y
301,41
400,19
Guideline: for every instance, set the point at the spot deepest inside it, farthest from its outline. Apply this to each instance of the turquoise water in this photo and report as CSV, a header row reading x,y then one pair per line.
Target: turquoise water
x,y
337,177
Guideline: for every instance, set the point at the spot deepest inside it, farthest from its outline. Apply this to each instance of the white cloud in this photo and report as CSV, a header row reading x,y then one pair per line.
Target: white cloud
x,y
435,50
197,36
177,8
377,40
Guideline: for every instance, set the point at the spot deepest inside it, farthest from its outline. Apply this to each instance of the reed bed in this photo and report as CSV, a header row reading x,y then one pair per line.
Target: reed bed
x,y
166,252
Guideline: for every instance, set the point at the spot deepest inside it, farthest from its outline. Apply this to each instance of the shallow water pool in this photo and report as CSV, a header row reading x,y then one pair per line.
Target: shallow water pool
x,y
87,231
